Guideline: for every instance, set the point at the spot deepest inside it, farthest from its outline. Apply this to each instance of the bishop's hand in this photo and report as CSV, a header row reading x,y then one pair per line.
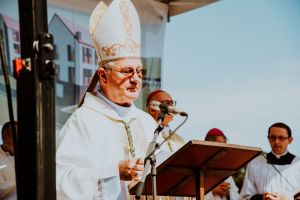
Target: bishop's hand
x,y
129,169
222,189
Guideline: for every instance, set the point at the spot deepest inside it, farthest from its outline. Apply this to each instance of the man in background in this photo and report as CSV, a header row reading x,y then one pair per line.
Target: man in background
x,y
276,175
176,141
227,189
7,164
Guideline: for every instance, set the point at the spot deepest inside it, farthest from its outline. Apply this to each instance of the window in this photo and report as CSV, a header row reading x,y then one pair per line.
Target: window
x,y
83,54
55,52
57,72
86,55
87,76
16,36
71,53
96,58
17,48
71,73
89,55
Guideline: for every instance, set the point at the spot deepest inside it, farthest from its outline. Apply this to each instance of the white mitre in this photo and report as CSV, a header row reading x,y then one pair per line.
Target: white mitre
x,y
115,31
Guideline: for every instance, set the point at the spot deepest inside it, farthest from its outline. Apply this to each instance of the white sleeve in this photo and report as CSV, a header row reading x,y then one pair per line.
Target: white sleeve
x,y
248,189
78,174
234,190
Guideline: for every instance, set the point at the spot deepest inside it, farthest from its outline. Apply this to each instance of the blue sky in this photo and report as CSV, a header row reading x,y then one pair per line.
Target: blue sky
x,y
235,65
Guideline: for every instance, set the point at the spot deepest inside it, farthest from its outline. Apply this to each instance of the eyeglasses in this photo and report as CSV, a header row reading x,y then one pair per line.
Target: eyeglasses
x,y
274,138
128,72
169,102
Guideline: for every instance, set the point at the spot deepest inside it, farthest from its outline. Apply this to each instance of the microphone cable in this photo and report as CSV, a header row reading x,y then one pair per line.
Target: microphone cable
x,y
171,134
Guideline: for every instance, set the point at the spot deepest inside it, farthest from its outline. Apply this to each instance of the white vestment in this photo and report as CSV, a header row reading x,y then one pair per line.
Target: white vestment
x,y
92,143
175,142
233,192
261,177
7,176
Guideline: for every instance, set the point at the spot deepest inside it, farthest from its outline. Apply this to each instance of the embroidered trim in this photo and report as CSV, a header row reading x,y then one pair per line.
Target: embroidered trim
x,y
111,50
165,136
129,44
100,191
116,59
131,147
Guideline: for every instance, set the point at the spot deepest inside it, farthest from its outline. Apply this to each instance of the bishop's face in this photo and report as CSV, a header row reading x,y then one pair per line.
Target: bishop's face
x,y
279,140
121,81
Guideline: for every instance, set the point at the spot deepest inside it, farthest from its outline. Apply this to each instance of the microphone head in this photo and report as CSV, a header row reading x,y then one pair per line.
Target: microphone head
x,y
184,114
167,109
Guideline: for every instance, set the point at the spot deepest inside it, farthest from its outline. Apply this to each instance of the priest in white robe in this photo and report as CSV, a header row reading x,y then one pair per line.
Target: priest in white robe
x,y
104,142
277,174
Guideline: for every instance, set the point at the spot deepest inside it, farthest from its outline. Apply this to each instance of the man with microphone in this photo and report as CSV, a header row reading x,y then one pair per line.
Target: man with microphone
x,y
103,143
158,101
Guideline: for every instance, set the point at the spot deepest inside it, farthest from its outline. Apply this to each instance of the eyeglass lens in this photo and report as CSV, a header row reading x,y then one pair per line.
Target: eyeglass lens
x,y
280,138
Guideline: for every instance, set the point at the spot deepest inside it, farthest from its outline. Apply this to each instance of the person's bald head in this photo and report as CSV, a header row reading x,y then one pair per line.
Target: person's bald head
x,y
7,137
162,97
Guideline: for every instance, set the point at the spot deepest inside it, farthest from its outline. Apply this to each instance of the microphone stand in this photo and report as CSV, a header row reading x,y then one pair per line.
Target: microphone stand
x,y
173,132
151,160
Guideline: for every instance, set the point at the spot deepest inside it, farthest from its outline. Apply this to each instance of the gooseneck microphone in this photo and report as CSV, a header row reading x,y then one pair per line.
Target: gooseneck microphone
x,y
167,109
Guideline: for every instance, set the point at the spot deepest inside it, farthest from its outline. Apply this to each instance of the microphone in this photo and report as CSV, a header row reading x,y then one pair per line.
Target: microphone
x,y
166,108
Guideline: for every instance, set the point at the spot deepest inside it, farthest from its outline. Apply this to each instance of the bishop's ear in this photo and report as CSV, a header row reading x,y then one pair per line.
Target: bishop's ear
x,y
102,75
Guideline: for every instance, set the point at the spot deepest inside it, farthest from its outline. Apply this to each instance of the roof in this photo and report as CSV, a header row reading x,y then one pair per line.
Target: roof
x,y
74,28
146,8
180,6
11,22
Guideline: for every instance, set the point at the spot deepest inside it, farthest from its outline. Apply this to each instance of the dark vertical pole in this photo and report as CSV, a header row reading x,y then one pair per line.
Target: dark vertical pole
x,y
36,110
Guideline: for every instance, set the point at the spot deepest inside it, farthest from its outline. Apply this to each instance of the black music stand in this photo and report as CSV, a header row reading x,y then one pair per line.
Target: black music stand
x,y
197,168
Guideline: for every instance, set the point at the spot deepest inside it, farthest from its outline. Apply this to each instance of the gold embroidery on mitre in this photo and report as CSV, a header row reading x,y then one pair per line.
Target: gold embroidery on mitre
x,y
116,59
111,50
129,44
125,18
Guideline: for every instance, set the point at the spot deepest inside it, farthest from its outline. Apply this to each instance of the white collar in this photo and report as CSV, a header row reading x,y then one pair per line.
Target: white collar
x,y
278,156
97,103
123,112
